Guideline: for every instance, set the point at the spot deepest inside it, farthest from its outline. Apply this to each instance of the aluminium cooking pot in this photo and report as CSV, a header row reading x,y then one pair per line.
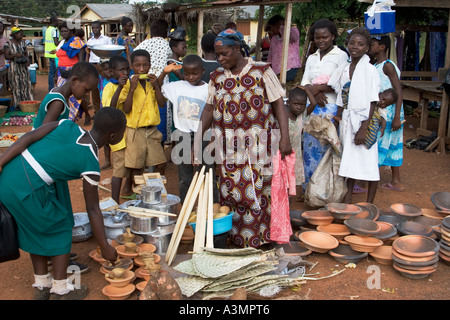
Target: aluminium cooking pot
x,y
169,204
143,225
151,194
160,238
114,229
81,230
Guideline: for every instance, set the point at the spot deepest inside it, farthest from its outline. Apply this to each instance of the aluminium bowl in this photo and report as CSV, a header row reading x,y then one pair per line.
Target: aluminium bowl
x,y
107,51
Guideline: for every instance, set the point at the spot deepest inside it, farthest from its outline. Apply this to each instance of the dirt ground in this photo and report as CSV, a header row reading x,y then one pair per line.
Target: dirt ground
x,y
422,174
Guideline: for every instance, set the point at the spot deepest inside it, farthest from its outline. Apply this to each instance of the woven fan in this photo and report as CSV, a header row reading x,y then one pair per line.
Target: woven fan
x,y
216,266
190,285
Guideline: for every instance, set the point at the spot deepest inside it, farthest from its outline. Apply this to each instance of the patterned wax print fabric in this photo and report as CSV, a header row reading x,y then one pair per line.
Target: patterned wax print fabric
x,y
390,145
126,41
42,211
243,116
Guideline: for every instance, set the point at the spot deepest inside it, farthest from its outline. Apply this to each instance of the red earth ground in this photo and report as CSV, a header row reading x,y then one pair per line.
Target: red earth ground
x,y
422,174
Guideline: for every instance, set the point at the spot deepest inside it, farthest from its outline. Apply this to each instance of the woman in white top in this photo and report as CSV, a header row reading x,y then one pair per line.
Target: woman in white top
x,y
319,67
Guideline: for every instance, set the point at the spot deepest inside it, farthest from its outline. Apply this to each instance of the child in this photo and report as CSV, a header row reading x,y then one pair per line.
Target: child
x,y
188,98
355,112
178,45
209,55
390,145
57,151
296,107
139,100
104,78
120,70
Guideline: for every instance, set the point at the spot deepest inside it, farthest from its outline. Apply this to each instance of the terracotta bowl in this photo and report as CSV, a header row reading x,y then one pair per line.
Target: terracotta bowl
x,y
443,213
387,230
418,261
362,227
374,212
296,248
444,259
342,211
138,260
97,257
296,218
141,285
137,239
441,200
383,255
393,219
318,217
122,263
345,254
444,246
122,253
118,293
339,231
318,241
415,268
431,213
415,275
446,223
363,243
415,246
147,247
431,222
406,210
121,282
414,228
142,273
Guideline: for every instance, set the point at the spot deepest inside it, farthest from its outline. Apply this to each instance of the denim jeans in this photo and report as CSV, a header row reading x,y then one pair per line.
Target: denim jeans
x,y
51,73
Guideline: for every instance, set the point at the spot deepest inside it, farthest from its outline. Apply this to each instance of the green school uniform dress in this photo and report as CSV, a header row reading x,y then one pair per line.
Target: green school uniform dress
x,y
29,185
50,97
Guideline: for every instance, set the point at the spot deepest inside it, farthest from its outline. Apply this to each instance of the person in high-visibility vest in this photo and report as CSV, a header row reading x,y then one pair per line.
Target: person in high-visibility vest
x,y
51,41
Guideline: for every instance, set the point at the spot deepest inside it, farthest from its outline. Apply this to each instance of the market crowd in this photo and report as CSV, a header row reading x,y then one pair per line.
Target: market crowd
x,y
155,94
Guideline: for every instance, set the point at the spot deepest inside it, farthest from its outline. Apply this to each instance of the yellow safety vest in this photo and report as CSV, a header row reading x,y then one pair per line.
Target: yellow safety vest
x,y
49,43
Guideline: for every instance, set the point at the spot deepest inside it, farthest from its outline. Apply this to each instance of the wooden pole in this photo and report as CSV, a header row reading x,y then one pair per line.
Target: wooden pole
x,y
286,36
210,227
259,33
199,32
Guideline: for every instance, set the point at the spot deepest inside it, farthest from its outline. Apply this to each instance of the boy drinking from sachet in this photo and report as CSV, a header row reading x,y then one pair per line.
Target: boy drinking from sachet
x,y
297,113
120,70
139,99
188,97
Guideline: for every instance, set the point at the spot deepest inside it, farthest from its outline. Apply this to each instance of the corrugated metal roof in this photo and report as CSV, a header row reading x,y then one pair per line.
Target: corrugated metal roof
x,y
109,10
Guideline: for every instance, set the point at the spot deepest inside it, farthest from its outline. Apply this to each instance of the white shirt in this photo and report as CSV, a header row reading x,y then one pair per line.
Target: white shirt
x,y
97,41
159,51
188,103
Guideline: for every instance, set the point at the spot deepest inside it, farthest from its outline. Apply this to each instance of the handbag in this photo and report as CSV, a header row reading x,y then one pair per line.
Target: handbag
x,y
9,243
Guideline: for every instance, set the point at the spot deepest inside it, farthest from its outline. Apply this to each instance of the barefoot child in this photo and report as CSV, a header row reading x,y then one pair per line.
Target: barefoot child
x,y
57,151
360,79
297,113
390,145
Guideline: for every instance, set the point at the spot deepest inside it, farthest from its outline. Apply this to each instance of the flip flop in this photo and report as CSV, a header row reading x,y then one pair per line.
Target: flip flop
x,y
131,197
358,189
390,186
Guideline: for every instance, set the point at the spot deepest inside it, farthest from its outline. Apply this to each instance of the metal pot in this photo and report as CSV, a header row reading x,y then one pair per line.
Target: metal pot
x,y
168,204
160,239
143,225
81,230
114,229
151,194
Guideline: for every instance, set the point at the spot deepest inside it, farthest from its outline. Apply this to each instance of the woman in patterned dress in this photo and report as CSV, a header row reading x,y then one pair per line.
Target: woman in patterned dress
x,y
19,76
245,107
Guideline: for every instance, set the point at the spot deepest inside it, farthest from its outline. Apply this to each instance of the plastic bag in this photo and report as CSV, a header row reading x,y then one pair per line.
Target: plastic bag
x,y
380,5
9,243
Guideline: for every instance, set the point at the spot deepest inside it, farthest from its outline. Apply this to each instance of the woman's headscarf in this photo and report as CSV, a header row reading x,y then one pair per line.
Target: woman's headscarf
x,y
14,30
231,37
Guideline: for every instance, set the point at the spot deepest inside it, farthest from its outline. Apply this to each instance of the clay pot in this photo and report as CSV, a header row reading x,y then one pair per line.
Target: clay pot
x,y
406,210
138,260
427,221
431,213
118,293
441,200
147,247
415,246
393,219
373,210
415,275
386,232
362,227
124,254
121,263
345,254
105,271
413,261
141,285
318,241
97,256
122,280
363,243
446,224
414,228
342,211
383,255
445,259
296,248
136,239
339,231
318,217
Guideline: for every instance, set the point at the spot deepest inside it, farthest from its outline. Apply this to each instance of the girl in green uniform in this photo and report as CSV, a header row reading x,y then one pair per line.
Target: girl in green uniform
x,y
29,173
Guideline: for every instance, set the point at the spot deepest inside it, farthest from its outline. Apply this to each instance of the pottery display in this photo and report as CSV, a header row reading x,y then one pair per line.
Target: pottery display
x,y
406,210
120,279
296,248
147,247
339,231
318,241
120,263
140,263
414,228
415,246
137,239
373,211
441,200
118,293
411,274
342,211
363,243
383,255
386,232
345,254
362,227
127,252
318,217
96,256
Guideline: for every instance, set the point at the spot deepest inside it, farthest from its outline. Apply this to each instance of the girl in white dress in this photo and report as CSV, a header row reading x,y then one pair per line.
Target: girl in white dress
x,y
357,87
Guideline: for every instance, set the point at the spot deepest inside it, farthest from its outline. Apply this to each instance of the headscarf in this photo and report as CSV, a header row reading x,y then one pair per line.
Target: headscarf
x,y
15,30
231,37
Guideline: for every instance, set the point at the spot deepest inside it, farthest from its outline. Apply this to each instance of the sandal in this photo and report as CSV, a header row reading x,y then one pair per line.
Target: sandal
x,y
358,189
130,197
390,186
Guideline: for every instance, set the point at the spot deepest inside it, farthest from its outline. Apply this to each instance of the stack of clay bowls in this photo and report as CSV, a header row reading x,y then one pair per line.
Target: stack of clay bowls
x,y
406,210
345,254
444,243
369,211
342,211
318,241
415,256
442,202
318,217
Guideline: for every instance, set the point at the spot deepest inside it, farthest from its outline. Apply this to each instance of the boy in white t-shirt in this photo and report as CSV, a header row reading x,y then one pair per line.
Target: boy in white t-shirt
x,y
188,97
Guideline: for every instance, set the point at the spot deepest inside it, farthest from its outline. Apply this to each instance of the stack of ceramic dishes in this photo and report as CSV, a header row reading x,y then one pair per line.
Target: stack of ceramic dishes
x,y
415,256
383,255
363,243
444,243
442,202
345,254
342,211
362,227
318,217
387,233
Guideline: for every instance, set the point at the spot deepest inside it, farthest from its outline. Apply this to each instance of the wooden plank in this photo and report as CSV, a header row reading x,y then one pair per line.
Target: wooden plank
x,y
419,74
286,36
423,132
210,226
259,33
200,32
424,114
